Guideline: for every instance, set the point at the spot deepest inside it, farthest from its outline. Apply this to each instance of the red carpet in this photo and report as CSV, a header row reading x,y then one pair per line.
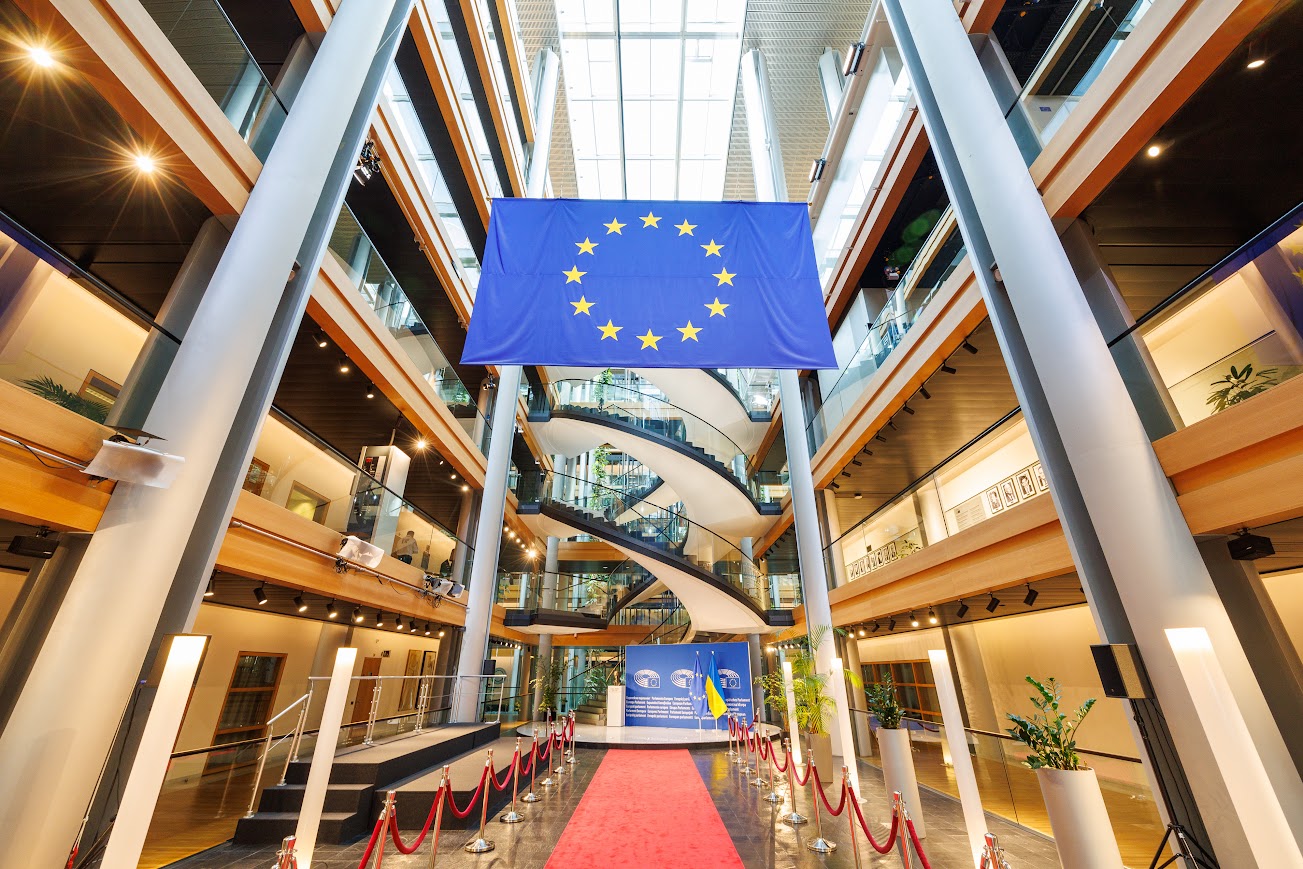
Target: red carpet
x,y
646,810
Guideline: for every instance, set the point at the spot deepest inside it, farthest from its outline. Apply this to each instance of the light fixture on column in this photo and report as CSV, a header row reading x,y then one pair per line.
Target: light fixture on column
x,y
259,595
1247,547
913,620
332,611
370,390
300,603
1030,599
854,56
357,615
963,609
992,604
931,616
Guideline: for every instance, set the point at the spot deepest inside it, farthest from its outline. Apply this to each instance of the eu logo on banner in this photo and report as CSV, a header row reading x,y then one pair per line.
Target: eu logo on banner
x,y
687,684
605,283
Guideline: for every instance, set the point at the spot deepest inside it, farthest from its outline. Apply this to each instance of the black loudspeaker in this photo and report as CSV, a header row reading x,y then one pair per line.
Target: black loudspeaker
x,y
1121,672
34,547
1247,547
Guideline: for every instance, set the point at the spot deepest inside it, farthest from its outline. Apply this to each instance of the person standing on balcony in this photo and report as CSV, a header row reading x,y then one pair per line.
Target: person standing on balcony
x,y
407,548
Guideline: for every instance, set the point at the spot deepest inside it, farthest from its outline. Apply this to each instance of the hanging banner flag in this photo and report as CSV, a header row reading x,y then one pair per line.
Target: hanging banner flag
x,y
601,283
665,685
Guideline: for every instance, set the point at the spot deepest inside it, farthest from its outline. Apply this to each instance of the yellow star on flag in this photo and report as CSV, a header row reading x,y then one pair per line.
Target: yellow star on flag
x,y
573,276
582,306
586,246
689,331
717,307
650,220
614,226
724,275
649,340
609,330
712,249
685,228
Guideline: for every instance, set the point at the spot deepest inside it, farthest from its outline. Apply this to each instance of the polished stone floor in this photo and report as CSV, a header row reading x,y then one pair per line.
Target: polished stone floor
x,y
762,841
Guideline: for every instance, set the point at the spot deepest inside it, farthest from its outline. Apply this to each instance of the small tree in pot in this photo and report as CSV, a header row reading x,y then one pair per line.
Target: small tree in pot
x,y
894,746
546,685
1082,832
810,693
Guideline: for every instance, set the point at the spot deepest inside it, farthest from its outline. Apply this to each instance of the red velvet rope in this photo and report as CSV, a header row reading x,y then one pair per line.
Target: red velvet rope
x,y
891,838
470,806
429,821
507,778
918,847
370,845
796,775
818,788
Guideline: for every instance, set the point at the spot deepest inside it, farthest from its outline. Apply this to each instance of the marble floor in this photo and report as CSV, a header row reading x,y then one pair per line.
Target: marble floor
x,y
593,735
761,839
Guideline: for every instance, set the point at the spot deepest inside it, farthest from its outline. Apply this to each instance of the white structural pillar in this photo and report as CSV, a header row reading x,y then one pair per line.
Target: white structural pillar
x,y
830,82
961,761
1141,569
546,600
323,756
547,74
147,773
859,720
793,729
847,737
89,663
762,131
488,542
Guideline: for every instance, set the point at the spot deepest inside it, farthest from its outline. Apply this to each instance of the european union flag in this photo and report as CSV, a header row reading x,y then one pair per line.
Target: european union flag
x,y
602,283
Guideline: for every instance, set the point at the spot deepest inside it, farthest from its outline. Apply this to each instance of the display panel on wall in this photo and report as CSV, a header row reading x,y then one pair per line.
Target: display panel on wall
x,y
658,678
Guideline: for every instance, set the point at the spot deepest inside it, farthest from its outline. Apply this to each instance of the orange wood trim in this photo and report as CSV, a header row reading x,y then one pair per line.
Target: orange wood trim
x,y
36,495
478,28
509,43
314,15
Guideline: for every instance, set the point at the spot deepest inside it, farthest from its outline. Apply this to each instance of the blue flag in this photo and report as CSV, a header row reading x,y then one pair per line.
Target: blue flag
x,y
697,690
602,283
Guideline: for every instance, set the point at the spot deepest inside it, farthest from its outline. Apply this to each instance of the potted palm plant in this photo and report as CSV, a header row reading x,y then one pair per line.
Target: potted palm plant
x,y
1082,832
894,746
545,685
812,700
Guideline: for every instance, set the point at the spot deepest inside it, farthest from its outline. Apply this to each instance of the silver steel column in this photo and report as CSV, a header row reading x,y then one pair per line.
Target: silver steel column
x,y
546,600
1141,569
57,737
762,132
830,82
547,75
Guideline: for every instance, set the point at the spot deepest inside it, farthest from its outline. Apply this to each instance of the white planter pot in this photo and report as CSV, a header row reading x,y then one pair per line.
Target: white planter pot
x,y
898,771
615,706
1082,831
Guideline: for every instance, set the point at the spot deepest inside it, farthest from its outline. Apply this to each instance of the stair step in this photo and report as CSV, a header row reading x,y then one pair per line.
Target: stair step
x,y
267,827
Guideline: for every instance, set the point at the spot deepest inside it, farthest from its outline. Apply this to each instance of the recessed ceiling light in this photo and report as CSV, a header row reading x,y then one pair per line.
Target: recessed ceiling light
x,y
40,55
1154,150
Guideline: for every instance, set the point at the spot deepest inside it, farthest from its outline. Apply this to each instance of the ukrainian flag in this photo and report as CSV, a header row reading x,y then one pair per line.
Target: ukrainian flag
x,y
715,690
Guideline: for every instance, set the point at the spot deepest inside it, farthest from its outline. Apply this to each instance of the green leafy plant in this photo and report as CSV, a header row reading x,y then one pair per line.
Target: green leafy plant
x,y
601,678
546,684
809,686
1239,385
882,702
53,391
1049,732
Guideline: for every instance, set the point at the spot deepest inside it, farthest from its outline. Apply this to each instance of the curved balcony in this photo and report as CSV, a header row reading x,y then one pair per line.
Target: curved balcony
x,y
720,586
580,603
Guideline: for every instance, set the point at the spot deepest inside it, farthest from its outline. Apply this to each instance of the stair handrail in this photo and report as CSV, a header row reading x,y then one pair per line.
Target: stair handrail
x,y
267,746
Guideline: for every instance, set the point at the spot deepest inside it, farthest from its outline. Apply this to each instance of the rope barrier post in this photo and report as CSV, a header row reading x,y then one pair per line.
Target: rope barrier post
x,y
386,814
793,817
773,796
731,729
992,853
561,760
759,780
551,744
445,789
902,841
285,858
532,797
818,844
849,796
481,845
570,758
512,816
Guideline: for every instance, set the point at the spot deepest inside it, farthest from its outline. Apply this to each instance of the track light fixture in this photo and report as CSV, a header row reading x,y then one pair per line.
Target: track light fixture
x,y
427,629
867,451
963,609
857,463
357,615
300,603
891,625
891,424
344,367
398,623
370,390
859,496
992,604
913,620
332,611
931,616
909,410
1030,599
259,595
969,347
879,437
380,620
320,340
816,169
836,486
441,633
861,632
876,626
922,390
948,370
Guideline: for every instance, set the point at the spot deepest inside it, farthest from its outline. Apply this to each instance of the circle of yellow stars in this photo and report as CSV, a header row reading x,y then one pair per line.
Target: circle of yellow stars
x,y
650,341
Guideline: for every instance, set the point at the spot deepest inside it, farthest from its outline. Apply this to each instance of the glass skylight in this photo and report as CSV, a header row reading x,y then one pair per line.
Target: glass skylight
x,y
650,86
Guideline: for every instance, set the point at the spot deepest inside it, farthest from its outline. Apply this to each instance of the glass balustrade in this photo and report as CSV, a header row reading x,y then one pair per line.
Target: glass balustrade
x,y
505,91
756,388
650,524
64,335
597,593
1088,40
376,283
209,44
653,414
937,260
294,470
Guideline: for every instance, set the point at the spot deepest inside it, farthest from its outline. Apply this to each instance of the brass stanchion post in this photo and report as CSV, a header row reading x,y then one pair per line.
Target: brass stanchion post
x,y
993,854
570,758
793,817
850,816
481,845
532,797
759,780
385,814
818,843
512,816
741,758
732,730
898,808
445,788
551,746
561,759
773,796
285,857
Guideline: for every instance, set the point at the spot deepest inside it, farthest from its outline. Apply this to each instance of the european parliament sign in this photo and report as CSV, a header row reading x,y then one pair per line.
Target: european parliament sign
x,y
657,681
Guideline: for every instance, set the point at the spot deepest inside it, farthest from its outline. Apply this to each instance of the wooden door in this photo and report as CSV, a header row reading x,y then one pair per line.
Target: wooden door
x,y
365,689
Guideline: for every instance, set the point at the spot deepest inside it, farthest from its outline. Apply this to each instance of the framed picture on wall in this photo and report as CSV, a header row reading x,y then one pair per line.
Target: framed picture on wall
x,y
994,502
1026,484
1039,473
1009,492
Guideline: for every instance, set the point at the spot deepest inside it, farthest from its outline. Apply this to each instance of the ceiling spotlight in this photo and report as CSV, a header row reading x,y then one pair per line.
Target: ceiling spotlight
x,y
452,476
321,340
963,609
145,163
412,626
891,625
875,627
992,604
357,615
465,488
816,169
370,390
398,623
344,367
836,486
867,451
441,633
948,370
300,603
969,347
913,620
922,390
857,463
1030,599
332,611
859,495
861,632
380,620
909,410
40,55
210,591
879,437
1256,63
931,616
427,629
259,595
854,55
1153,150
846,473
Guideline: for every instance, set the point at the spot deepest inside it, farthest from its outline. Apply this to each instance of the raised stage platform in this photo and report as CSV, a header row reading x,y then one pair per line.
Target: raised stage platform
x,y
597,736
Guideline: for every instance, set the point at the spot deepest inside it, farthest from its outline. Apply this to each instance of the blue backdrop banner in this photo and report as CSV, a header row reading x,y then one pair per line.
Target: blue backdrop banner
x,y
658,683
650,284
